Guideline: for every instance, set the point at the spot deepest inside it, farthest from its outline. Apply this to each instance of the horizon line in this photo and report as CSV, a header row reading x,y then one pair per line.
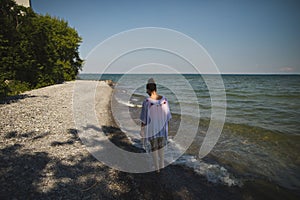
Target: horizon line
x,y
193,73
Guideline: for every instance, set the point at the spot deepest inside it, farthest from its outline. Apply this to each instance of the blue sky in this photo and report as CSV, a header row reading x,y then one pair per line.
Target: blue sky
x,y
253,36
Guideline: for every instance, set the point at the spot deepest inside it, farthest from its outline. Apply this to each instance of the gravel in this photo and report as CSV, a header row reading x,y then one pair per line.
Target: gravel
x,y
41,154
42,157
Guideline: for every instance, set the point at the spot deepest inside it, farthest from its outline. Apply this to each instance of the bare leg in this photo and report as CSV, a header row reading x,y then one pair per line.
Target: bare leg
x,y
161,158
155,160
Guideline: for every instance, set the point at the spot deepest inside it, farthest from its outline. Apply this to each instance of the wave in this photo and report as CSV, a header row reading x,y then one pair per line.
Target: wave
x,y
214,173
129,104
241,94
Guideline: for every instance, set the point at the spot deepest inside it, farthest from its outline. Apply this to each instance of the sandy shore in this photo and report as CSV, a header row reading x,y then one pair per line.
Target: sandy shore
x,y
41,156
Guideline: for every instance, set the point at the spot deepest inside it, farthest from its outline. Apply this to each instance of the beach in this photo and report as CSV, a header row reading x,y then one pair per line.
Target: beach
x,y
42,156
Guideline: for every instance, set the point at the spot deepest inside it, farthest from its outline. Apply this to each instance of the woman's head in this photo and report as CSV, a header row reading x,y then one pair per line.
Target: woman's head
x,y
151,86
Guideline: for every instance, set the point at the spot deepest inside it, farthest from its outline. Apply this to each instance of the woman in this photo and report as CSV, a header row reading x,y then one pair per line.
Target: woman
x,y
154,118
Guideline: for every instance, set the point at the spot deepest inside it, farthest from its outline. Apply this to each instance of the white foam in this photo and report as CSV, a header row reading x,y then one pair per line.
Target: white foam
x,y
214,173
132,105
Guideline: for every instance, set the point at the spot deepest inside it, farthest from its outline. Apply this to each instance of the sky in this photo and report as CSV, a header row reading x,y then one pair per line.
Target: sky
x,y
241,36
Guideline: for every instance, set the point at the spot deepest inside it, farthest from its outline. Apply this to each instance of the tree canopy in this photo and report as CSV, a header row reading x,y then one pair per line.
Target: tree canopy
x,y
35,50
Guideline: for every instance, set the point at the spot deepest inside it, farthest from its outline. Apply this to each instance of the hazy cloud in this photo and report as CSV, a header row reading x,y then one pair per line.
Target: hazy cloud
x,y
287,69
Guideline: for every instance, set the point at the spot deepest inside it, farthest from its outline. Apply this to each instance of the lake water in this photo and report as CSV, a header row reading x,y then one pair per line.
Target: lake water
x,y
260,138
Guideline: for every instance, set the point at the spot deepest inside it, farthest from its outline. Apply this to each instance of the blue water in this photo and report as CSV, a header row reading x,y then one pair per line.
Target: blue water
x,y
261,135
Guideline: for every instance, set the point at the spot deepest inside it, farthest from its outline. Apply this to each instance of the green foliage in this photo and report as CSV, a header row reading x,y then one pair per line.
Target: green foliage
x,y
16,87
35,50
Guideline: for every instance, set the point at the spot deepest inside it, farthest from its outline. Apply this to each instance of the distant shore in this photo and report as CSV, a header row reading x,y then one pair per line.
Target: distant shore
x,y
41,156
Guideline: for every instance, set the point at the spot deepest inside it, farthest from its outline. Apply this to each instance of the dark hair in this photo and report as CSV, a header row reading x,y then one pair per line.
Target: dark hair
x,y
151,87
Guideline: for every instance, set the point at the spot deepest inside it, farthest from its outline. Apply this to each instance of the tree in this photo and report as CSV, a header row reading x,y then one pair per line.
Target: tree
x,y
35,50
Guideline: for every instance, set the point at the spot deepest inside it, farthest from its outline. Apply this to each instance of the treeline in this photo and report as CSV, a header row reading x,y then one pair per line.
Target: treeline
x,y
35,50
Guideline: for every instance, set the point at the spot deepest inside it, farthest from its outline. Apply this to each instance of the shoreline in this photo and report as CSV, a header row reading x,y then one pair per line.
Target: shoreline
x,y
42,156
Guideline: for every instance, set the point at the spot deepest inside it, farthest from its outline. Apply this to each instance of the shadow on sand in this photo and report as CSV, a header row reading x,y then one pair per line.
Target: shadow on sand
x,y
26,174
